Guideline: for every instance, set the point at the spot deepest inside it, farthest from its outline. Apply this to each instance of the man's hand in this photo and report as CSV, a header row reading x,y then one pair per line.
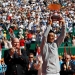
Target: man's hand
x,y
69,67
29,67
12,50
50,22
62,21
19,52
65,67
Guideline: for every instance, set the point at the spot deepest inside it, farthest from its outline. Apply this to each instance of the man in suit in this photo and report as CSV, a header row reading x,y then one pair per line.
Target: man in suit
x,y
15,59
68,67
31,65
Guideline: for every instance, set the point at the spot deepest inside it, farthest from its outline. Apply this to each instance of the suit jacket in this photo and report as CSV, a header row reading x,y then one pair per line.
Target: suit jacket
x,y
17,65
32,70
67,71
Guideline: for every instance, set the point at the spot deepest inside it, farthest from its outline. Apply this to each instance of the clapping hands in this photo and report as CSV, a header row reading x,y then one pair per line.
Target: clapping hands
x,y
12,50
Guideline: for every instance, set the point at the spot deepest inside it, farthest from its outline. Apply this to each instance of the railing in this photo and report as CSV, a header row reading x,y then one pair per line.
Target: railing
x,y
69,49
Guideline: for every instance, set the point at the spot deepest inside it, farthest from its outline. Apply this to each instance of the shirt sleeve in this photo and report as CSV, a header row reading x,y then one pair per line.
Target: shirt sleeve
x,y
62,35
44,39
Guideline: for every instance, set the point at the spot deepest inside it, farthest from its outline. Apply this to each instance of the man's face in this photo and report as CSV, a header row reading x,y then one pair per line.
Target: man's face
x,y
16,43
51,37
67,59
31,57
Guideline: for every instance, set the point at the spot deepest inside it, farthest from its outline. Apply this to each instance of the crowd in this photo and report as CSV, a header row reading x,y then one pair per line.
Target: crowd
x,y
28,19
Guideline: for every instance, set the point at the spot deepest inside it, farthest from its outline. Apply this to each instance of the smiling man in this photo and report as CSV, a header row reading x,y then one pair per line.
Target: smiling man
x,y
15,59
49,51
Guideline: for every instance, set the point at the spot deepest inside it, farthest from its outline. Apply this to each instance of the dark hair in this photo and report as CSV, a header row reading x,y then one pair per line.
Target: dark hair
x,y
73,24
51,31
31,54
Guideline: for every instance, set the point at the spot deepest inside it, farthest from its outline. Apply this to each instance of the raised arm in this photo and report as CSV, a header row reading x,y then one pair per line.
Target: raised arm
x,y
44,39
62,35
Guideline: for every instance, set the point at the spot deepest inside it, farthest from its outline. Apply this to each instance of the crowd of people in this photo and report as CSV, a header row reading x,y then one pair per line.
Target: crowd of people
x,y
26,21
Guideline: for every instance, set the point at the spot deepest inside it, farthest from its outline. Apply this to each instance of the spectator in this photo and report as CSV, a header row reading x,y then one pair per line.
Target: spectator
x,y
22,42
33,40
66,39
1,35
60,60
15,59
67,68
73,41
4,34
29,36
2,43
31,65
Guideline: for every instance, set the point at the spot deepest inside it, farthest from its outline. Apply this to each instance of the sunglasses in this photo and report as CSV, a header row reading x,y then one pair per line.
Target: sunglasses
x,y
67,58
30,57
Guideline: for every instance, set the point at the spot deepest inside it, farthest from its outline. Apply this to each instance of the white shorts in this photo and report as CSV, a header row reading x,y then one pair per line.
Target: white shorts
x,y
51,74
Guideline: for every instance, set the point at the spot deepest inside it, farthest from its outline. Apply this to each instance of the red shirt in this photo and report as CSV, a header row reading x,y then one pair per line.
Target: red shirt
x,y
29,36
10,30
9,18
22,42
